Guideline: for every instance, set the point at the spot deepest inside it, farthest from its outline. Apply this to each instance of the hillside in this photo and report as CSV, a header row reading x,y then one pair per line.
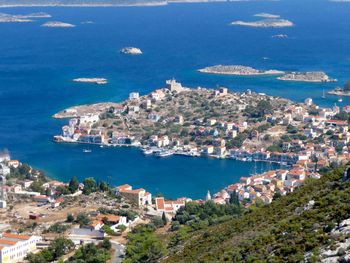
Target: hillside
x,y
295,227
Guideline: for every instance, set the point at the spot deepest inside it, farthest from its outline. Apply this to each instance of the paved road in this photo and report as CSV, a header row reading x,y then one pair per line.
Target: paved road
x,y
119,252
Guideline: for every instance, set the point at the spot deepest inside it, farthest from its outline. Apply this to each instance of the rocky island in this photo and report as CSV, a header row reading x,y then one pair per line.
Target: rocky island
x,y
57,24
280,36
315,76
99,81
265,23
341,91
131,51
267,15
238,70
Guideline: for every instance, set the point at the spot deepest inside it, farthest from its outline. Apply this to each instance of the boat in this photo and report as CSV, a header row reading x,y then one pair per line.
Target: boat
x,y
147,151
87,150
323,94
163,153
340,100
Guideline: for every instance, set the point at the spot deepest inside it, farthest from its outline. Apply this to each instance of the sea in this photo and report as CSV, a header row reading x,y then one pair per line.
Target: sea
x,y
37,65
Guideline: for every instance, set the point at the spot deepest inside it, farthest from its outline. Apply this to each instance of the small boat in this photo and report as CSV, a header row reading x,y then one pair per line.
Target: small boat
x,y
87,150
323,94
163,153
147,151
340,100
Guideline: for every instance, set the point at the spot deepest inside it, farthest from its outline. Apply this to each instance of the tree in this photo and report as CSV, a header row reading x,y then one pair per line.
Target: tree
x,y
165,220
70,218
73,185
82,219
234,198
103,186
144,245
106,244
89,186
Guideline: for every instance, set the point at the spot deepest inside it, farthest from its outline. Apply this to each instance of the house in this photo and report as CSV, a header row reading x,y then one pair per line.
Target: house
x,y
179,119
134,96
221,92
208,149
154,117
112,219
42,199
4,170
85,233
13,163
157,95
211,122
137,196
4,157
57,203
220,151
169,206
26,183
14,247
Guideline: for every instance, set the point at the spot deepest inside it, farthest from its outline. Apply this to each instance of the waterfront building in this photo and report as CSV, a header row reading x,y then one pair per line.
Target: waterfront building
x,y
14,247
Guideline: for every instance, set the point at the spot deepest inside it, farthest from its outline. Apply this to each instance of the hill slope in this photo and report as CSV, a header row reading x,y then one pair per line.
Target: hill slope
x,y
291,229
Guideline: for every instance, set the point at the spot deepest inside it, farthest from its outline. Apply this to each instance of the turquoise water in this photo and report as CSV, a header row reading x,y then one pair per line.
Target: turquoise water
x,y
37,65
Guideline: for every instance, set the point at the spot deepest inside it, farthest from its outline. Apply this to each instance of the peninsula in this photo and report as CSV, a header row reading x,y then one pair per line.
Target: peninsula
x,y
99,81
204,122
57,24
315,76
238,70
131,51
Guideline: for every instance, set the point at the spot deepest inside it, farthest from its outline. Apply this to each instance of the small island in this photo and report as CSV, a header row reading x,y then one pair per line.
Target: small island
x,y
280,36
9,18
57,24
238,70
99,81
267,15
341,91
265,23
315,76
131,51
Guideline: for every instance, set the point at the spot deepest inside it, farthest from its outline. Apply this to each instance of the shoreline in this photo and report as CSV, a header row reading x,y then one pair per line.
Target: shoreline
x,y
174,152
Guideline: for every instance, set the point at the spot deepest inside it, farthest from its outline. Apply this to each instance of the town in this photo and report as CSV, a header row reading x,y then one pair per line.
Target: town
x,y
304,140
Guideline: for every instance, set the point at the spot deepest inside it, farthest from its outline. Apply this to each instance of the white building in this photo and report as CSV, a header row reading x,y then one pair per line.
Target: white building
x,y
134,96
13,247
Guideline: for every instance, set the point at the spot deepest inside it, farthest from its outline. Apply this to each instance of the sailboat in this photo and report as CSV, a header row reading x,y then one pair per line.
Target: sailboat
x,y
323,94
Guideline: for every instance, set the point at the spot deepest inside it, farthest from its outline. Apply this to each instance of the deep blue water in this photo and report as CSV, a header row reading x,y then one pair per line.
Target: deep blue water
x,y
37,65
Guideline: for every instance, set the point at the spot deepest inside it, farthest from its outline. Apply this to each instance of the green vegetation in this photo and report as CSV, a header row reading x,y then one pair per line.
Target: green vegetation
x,y
59,247
144,245
283,231
58,228
263,108
92,253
